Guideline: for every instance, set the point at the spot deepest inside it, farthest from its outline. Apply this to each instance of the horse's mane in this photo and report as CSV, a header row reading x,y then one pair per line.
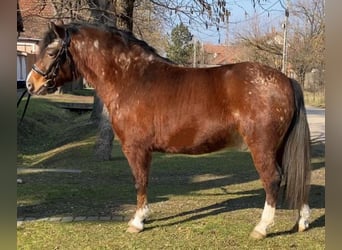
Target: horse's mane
x,y
128,37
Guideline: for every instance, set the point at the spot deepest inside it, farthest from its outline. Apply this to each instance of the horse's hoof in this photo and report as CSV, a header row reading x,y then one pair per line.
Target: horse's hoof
x,y
131,229
302,228
257,235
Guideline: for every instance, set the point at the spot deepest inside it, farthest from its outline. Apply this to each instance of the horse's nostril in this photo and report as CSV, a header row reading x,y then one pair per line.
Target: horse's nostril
x,y
28,85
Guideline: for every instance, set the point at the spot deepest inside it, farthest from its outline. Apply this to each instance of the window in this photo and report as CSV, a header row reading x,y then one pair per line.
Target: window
x,y
21,68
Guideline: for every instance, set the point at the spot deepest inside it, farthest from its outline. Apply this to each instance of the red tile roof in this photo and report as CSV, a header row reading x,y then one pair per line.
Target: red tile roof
x,y
222,54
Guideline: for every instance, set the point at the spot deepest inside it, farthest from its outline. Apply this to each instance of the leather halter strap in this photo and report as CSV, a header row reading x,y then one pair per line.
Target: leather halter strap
x,y
52,70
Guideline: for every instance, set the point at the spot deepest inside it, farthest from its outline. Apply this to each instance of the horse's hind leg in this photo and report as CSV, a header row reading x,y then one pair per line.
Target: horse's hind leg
x,y
304,215
265,163
139,161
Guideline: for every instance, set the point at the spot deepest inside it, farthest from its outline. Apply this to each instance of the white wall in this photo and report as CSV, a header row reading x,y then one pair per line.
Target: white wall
x,y
21,68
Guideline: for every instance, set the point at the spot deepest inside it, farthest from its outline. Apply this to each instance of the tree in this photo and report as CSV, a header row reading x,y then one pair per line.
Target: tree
x,y
307,44
305,40
20,25
266,49
123,10
262,44
181,48
196,13
149,26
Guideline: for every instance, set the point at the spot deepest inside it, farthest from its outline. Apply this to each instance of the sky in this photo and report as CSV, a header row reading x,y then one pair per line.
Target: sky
x,y
269,14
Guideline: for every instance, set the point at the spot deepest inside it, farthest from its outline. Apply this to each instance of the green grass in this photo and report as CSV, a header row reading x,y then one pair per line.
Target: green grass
x,y
198,202
314,99
83,92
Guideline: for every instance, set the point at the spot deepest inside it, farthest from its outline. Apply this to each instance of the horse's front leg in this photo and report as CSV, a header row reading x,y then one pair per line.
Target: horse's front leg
x,y
139,161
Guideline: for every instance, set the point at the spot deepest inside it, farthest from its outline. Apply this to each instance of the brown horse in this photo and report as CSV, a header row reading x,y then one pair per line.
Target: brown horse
x,y
155,105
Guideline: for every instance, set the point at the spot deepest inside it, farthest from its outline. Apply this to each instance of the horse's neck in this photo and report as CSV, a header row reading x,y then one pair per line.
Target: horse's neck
x,y
104,68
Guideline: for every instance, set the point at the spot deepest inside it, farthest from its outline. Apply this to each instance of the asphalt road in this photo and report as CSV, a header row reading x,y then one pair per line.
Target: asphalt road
x,y
316,120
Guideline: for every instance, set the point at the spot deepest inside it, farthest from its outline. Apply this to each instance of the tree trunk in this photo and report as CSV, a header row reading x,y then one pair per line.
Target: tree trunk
x,y
124,12
95,116
104,141
123,20
99,11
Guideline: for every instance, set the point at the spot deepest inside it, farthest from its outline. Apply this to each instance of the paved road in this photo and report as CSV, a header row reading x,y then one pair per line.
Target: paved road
x,y
316,120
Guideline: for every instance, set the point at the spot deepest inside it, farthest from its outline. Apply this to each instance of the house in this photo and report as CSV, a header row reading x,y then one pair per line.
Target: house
x,y
217,54
21,57
32,19
35,15
20,25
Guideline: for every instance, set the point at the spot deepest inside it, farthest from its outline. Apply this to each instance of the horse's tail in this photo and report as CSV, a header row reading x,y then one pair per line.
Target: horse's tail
x,y
296,157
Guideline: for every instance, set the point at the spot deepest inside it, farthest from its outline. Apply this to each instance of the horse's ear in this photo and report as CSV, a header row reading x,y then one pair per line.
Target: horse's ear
x,y
59,22
58,30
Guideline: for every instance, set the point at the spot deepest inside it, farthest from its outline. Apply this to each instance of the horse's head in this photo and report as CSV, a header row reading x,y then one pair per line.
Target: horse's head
x,y
54,65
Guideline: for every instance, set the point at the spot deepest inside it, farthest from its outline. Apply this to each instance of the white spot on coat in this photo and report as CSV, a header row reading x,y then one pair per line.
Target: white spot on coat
x,y
150,58
78,45
96,44
236,114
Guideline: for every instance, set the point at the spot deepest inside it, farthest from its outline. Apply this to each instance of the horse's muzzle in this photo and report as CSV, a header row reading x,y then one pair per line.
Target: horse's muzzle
x,y
44,89
29,87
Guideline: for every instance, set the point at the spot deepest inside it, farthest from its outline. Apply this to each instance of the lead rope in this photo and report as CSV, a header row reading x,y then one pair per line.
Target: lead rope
x,y
26,104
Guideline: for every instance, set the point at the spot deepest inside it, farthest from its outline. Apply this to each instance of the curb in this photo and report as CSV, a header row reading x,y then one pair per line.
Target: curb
x,y
67,219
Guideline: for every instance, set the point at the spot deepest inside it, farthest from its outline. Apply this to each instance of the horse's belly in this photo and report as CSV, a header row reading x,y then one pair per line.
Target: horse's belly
x,y
190,141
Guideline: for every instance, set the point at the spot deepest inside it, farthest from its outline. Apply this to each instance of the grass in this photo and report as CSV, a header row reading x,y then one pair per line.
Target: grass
x,y
316,99
83,92
198,202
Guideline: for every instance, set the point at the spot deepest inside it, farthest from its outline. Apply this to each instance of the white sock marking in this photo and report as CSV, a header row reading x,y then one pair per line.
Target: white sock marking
x,y
267,219
304,213
139,217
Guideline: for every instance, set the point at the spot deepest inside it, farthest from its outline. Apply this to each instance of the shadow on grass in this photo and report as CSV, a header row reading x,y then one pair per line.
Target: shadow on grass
x,y
108,189
103,186
319,222
251,199
254,200
69,200
318,149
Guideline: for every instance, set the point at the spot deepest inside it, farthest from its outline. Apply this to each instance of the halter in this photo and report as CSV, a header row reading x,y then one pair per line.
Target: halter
x,y
51,73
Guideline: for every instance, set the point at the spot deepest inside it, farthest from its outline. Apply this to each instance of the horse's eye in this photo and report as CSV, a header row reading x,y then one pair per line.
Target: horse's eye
x,y
51,54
